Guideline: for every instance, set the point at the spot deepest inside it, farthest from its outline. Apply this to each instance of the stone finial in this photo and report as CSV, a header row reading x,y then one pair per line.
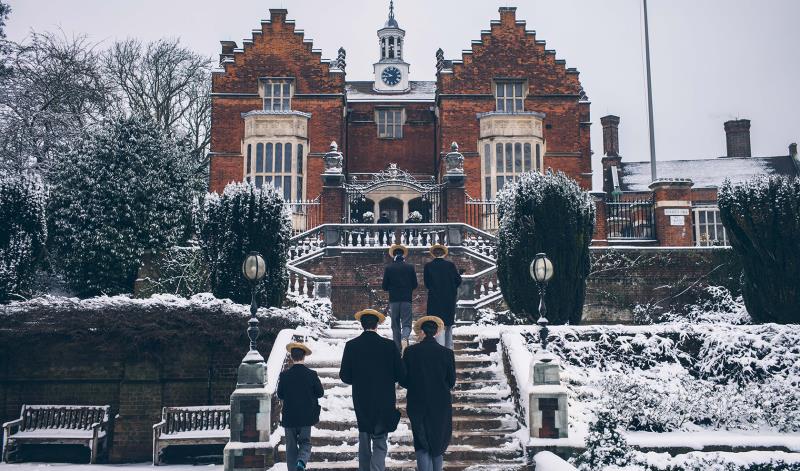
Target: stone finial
x,y
454,160
439,60
333,160
340,59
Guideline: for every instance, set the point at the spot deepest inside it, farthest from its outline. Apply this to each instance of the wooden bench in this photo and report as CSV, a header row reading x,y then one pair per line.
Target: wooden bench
x,y
58,425
198,425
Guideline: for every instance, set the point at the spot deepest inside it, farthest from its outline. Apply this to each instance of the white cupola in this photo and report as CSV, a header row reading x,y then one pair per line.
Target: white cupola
x,y
391,72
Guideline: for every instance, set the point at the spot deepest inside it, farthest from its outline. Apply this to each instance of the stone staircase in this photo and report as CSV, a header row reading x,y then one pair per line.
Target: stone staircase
x,y
484,420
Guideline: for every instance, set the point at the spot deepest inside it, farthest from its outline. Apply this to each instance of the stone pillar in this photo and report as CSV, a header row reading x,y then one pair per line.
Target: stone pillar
x,y
673,209
737,137
547,404
251,411
600,237
455,194
333,195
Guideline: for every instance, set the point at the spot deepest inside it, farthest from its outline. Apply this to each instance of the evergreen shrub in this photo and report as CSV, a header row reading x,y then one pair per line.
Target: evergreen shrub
x,y
123,189
545,213
23,233
762,220
244,219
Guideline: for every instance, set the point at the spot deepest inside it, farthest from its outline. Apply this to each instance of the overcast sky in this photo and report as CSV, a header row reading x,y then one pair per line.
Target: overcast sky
x,y
712,60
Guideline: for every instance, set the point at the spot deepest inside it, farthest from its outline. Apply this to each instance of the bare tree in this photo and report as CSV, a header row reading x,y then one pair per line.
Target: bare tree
x,y
169,83
5,10
54,91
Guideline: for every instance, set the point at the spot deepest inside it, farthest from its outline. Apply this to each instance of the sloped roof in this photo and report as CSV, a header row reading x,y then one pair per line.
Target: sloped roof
x,y
705,173
421,91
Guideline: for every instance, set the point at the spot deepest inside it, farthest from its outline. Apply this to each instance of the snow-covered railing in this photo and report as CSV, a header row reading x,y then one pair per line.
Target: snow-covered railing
x,y
305,244
303,283
479,289
480,241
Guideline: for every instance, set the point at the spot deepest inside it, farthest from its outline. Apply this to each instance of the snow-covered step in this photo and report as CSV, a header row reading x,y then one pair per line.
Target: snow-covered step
x,y
477,439
512,465
405,452
502,424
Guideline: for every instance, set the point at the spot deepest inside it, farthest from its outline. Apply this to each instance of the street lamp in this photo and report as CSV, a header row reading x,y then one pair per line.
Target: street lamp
x,y
254,270
541,272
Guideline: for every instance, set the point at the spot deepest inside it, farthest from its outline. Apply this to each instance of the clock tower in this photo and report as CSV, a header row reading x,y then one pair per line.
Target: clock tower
x,y
391,71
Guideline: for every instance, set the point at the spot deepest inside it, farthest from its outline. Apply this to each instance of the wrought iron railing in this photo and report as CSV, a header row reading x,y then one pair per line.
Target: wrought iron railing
x,y
305,214
631,220
482,214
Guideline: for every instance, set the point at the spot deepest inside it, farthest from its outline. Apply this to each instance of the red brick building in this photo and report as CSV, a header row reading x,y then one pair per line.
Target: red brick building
x,y
511,106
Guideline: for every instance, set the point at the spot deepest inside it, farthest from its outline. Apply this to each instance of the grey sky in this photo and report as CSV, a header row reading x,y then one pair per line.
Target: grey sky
x,y
713,60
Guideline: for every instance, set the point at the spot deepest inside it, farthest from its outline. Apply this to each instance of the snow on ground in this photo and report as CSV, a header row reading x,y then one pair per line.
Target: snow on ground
x,y
103,467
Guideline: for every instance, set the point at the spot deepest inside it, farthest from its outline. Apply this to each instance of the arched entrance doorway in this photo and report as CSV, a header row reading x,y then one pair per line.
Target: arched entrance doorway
x,y
393,207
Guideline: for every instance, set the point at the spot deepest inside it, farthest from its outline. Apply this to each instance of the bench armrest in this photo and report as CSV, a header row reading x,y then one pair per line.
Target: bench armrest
x,y
97,427
159,428
8,426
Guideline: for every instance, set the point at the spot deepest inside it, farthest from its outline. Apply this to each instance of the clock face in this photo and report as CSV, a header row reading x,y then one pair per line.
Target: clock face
x,y
391,76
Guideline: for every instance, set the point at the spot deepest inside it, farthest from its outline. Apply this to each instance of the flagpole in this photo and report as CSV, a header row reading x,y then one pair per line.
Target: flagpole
x,y
653,173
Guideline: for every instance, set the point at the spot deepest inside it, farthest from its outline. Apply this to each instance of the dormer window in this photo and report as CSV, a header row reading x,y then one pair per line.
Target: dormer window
x,y
510,96
277,94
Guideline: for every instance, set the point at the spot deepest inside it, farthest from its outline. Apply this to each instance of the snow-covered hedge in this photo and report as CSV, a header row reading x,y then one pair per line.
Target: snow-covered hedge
x,y
23,232
762,220
712,461
244,219
545,213
122,327
714,304
123,189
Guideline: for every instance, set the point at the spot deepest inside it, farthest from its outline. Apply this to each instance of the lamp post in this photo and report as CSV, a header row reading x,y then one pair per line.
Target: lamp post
x,y
253,269
541,271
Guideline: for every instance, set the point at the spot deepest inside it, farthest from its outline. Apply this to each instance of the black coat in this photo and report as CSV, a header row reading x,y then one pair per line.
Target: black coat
x,y
399,279
372,365
299,388
442,280
431,374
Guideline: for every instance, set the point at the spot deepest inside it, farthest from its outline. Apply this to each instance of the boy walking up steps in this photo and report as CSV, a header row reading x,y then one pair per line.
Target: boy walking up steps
x,y
299,388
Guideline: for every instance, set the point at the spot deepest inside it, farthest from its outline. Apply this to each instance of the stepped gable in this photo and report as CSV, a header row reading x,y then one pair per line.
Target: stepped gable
x,y
278,49
508,51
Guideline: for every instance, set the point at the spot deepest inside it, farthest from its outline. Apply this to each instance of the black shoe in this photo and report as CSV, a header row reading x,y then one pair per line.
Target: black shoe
x,y
300,466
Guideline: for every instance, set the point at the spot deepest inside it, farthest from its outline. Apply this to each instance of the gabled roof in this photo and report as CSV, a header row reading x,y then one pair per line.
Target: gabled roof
x,y
363,92
705,173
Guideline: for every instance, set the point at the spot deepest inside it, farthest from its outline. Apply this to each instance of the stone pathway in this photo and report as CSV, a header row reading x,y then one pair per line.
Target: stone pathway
x,y
484,422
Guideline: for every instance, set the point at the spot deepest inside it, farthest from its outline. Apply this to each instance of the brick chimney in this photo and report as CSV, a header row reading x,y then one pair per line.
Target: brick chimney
x,y
610,135
737,136
795,158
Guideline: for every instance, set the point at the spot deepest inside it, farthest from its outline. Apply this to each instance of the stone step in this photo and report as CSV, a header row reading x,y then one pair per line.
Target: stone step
x,y
497,424
462,362
478,439
480,410
406,453
411,465
461,384
461,374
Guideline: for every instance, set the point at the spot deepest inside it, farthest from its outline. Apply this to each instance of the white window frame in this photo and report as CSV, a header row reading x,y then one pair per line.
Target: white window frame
x,y
707,233
389,122
512,167
509,96
277,93
296,173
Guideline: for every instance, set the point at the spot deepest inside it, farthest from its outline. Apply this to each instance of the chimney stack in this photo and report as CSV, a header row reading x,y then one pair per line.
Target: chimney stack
x,y
610,135
737,136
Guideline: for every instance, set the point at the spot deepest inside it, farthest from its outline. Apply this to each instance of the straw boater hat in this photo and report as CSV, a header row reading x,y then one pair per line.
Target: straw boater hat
x,y
400,247
370,312
441,247
299,345
418,325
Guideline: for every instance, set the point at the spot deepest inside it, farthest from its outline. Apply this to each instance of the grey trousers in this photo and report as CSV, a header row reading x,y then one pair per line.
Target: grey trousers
x,y
298,446
445,339
426,462
372,451
401,321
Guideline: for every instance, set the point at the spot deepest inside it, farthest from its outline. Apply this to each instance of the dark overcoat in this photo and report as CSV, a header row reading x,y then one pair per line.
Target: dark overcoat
x,y
299,388
442,281
372,365
430,375
400,280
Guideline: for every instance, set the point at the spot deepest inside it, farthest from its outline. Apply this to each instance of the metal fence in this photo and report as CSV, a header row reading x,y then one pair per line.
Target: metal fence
x,y
482,214
631,220
305,214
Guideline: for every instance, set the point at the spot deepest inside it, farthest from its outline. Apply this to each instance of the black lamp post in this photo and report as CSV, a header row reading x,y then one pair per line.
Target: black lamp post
x,y
541,272
254,270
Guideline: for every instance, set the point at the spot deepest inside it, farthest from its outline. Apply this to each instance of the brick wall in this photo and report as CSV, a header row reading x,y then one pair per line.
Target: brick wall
x,y
670,278
507,50
358,274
